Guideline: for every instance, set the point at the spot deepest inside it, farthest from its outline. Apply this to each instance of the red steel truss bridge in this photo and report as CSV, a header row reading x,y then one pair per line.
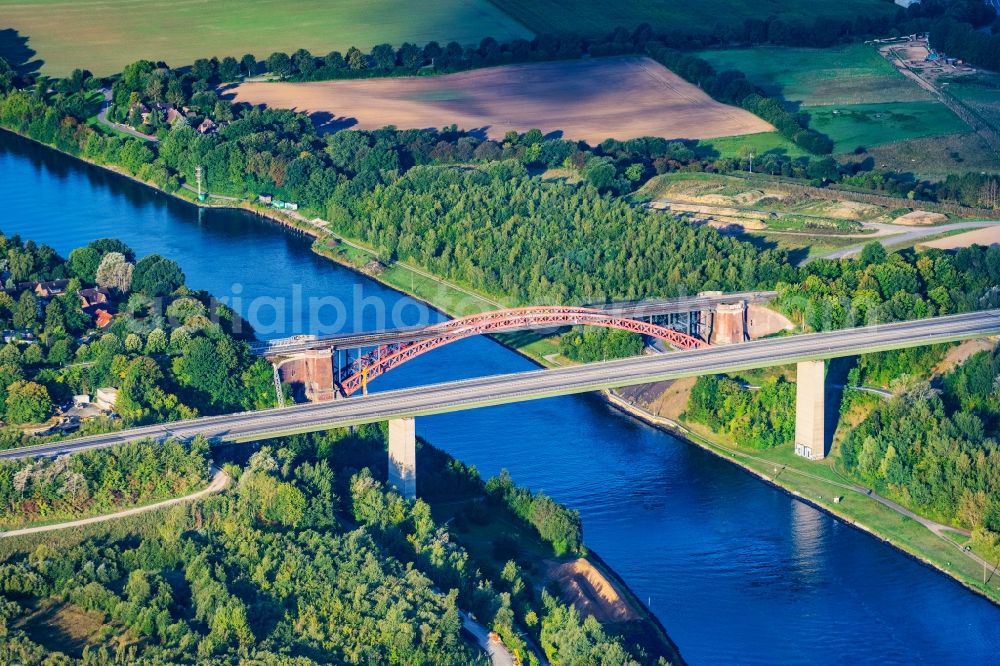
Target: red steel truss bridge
x,y
384,358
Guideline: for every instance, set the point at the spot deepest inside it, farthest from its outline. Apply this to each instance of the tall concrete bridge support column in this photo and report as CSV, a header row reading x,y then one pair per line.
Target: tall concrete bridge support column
x,y
403,456
810,401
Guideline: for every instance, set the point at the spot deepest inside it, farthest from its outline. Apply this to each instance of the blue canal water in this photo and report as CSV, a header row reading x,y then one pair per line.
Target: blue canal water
x,y
737,571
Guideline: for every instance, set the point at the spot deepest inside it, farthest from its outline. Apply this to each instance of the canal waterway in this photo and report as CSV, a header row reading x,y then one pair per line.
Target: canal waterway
x,y
737,571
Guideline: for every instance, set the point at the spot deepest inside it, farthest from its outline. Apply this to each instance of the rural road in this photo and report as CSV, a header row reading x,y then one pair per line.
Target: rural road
x,y
499,655
220,479
896,234
102,117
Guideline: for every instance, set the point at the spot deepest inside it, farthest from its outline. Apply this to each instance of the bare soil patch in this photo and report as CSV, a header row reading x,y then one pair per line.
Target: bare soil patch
x,y
592,100
985,236
960,354
920,218
586,588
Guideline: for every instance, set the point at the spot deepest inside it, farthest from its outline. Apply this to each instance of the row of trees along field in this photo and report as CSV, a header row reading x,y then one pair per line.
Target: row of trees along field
x,y
171,352
308,559
280,152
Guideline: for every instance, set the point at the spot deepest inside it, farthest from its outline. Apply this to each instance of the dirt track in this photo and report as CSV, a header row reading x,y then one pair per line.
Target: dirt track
x,y
220,479
594,99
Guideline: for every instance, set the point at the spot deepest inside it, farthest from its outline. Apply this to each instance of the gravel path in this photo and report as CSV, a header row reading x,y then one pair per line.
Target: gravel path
x,y
220,479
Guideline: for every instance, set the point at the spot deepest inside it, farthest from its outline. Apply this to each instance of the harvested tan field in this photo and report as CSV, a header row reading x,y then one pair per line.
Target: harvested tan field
x,y
586,588
592,100
986,236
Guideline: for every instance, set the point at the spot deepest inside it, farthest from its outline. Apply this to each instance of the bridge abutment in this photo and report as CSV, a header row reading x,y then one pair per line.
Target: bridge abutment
x,y
312,370
810,408
403,456
729,323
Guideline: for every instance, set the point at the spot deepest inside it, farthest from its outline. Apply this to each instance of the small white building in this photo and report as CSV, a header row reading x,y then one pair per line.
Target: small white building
x,y
105,398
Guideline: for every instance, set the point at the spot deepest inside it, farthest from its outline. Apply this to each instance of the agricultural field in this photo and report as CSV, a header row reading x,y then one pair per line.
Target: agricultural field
x,y
851,93
862,125
590,100
934,158
980,92
850,74
105,35
592,17
755,144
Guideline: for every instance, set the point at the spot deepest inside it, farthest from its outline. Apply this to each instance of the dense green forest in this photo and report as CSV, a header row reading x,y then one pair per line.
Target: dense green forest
x,y
941,462
762,418
881,287
546,242
309,558
599,344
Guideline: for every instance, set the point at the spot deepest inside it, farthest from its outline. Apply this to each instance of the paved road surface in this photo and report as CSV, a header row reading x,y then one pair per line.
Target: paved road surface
x,y
897,234
499,654
102,117
518,387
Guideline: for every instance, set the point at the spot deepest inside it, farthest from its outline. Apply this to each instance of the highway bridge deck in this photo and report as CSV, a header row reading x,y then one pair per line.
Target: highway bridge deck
x,y
532,385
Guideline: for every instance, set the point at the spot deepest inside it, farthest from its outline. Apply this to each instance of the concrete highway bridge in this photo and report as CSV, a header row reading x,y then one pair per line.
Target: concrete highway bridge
x,y
399,407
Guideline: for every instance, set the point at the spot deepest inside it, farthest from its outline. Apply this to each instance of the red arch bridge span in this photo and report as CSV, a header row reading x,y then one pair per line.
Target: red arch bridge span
x,y
383,359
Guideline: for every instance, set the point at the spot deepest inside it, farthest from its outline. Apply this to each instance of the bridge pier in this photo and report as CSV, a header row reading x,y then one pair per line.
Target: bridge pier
x,y
729,323
403,456
810,403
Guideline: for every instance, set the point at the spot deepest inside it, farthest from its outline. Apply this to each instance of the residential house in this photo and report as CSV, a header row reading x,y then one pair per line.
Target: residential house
x,y
207,126
93,296
102,318
50,289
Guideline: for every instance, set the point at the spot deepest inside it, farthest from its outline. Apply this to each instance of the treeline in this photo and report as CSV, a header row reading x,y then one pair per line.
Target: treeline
x,y
558,525
96,482
732,87
509,234
880,287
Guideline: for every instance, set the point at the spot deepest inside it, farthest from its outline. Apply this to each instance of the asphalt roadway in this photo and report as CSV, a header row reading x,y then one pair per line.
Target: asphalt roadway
x,y
535,384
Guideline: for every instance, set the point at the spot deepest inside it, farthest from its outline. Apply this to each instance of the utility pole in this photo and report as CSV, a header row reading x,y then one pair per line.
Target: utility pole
x,y
751,162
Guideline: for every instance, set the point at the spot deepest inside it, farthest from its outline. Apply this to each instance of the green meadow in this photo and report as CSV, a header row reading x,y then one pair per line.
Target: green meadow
x,y
593,17
105,35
